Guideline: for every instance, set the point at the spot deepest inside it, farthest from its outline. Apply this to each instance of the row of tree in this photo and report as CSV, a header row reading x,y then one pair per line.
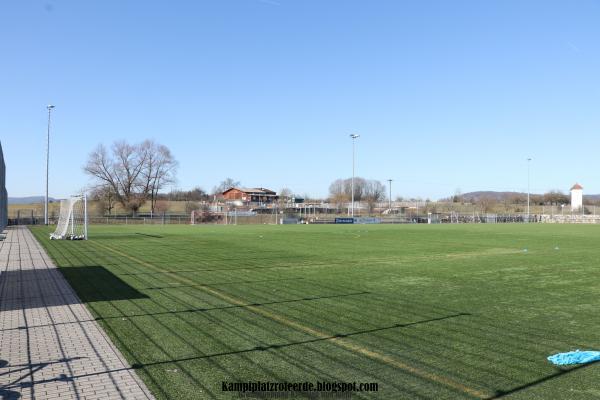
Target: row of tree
x,y
133,174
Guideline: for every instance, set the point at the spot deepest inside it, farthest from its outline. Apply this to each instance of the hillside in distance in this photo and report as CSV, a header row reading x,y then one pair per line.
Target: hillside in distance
x,y
29,200
503,196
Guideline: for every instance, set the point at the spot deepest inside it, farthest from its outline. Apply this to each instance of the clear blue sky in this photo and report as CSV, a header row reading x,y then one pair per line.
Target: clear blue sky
x,y
445,94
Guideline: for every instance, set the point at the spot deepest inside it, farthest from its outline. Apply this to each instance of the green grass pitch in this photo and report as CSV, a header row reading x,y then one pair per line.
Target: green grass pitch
x,y
427,312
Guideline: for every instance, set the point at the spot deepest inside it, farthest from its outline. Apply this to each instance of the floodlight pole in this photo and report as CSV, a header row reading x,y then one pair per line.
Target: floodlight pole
x,y
49,107
390,181
353,137
528,190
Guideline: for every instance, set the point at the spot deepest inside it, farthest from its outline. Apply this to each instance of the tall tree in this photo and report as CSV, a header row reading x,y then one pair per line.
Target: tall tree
x,y
371,191
132,172
159,169
105,197
337,193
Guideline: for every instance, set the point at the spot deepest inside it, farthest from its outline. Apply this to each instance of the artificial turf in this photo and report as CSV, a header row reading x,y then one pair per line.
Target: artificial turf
x,y
426,311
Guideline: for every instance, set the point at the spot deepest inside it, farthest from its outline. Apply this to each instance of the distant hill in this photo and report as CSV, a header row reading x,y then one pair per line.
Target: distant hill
x,y
29,200
501,196
488,194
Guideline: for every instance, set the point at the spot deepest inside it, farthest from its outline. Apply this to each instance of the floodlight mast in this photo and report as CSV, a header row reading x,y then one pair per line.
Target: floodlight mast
x,y
528,187
49,107
390,181
353,137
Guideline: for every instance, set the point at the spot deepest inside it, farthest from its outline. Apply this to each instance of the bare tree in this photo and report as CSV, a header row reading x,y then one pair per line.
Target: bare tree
x,y
285,195
487,203
159,169
457,198
105,197
127,172
162,206
341,189
129,161
337,193
556,197
228,183
373,192
359,188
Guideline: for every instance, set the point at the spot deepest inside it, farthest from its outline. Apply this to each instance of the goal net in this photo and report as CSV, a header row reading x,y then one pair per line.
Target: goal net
x,y
72,222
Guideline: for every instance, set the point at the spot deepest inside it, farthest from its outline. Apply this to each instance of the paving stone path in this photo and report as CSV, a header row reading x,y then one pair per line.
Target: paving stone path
x,y
50,345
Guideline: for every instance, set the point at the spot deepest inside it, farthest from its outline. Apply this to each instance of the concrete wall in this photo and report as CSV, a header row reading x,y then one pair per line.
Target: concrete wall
x,y
3,194
571,219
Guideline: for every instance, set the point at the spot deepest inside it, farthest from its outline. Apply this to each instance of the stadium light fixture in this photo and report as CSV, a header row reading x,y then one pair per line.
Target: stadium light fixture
x,y
353,137
49,107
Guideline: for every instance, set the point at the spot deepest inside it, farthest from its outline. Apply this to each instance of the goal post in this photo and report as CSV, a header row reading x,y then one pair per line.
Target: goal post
x,y
73,220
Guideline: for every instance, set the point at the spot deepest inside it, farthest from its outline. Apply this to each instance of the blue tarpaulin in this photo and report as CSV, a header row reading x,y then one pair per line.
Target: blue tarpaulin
x,y
574,357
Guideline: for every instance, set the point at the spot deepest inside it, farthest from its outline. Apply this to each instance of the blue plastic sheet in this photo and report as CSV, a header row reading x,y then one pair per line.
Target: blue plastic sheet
x,y
574,357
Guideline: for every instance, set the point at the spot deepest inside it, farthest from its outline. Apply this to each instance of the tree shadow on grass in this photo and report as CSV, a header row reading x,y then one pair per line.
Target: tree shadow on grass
x,y
106,285
35,288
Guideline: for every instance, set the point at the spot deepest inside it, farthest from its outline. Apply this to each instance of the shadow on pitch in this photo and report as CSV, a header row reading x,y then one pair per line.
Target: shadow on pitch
x,y
285,345
35,288
96,283
256,304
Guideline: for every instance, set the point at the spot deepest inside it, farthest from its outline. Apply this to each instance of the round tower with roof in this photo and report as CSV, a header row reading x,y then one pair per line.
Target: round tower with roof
x,y
576,197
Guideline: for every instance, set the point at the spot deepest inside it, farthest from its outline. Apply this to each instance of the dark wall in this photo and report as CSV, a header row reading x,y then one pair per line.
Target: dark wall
x,y
3,194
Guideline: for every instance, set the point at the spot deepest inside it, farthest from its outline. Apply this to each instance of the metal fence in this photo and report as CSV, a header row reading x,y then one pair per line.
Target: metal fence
x,y
3,193
30,217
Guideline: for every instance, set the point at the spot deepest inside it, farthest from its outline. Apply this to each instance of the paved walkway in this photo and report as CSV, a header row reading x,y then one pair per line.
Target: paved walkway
x,y
50,345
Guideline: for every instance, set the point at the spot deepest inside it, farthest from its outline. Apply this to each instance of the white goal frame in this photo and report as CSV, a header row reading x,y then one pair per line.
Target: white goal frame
x,y
73,219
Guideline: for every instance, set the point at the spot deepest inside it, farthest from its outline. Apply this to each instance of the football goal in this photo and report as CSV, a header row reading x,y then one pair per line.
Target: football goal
x,y
72,222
